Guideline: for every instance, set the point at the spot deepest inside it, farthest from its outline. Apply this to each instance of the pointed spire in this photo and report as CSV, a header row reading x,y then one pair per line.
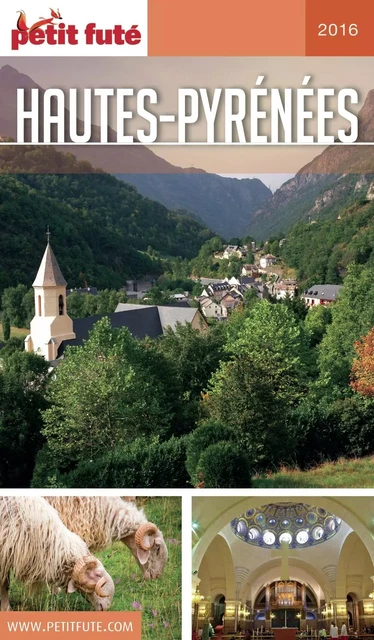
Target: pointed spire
x,y
49,274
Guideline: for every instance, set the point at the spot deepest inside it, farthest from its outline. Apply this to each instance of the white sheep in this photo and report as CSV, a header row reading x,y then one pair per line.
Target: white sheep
x,y
100,521
37,547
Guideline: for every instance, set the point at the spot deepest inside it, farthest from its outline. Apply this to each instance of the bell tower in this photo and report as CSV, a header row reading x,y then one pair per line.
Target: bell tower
x,y
51,324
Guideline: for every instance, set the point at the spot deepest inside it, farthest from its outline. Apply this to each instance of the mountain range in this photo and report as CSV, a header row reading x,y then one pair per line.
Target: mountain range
x,y
338,175
229,206
224,204
103,231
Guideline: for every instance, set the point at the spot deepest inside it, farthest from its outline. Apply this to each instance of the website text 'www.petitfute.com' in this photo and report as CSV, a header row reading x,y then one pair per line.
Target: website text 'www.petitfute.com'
x,y
61,626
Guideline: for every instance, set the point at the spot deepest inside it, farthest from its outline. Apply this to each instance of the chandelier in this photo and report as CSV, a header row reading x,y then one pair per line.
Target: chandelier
x,y
197,597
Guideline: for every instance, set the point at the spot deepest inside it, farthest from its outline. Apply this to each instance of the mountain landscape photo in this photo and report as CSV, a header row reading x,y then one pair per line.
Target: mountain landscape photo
x,y
184,333
223,204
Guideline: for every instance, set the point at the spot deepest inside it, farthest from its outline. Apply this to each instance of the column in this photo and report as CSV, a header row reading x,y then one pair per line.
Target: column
x,y
203,613
267,607
366,612
231,615
195,605
303,595
243,616
340,612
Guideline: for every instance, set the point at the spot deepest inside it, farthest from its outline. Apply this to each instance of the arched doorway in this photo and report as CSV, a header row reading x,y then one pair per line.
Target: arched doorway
x,y
352,612
218,609
286,604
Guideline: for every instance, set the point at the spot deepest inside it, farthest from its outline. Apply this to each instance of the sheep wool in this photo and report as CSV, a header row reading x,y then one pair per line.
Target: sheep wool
x,y
35,544
99,521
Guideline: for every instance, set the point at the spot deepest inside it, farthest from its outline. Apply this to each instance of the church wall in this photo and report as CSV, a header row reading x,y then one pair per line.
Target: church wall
x,y
50,325
217,576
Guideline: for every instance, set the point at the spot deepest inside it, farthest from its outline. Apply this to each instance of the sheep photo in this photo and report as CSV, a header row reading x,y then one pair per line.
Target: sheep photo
x,y
94,553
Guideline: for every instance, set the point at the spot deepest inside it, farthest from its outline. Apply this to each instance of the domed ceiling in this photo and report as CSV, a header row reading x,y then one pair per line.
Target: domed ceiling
x,y
298,525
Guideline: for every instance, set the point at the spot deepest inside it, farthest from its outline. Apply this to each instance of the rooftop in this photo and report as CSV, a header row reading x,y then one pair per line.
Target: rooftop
x,y
49,274
323,291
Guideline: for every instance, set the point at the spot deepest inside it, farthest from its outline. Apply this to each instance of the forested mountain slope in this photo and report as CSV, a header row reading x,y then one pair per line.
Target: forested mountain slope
x,y
337,175
321,252
222,203
101,227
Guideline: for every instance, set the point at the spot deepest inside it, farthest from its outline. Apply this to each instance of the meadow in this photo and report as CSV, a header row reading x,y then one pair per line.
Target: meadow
x,y
158,600
14,332
354,473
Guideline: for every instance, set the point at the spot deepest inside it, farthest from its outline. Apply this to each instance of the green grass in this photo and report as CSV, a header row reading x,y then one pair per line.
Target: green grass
x,y
14,332
160,599
331,475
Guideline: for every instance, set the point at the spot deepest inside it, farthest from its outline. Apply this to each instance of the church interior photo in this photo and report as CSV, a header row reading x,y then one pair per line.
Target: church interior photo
x,y
283,567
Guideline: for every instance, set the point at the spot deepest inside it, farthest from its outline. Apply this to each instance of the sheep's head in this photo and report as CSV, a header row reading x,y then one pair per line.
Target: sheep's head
x,y
149,548
91,579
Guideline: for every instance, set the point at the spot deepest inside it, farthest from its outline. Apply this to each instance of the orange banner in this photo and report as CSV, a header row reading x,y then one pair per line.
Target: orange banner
x,y
70,625
239,28
266,28
339,28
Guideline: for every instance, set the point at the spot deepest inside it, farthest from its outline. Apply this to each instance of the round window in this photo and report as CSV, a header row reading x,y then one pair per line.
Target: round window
x,y
302,537
260,519
269,537
317,533
330,524
253,533
241,528
285,537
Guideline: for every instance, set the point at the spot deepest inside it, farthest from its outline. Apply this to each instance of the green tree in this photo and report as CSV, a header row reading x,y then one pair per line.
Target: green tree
x,y
208,433
296,305
224,465
104,394
316,322
144,462
6,325
352,317
83,305
250,258
157,296
75,305
235,267
328,429
23,381
190,357
265,376
16,304
13,344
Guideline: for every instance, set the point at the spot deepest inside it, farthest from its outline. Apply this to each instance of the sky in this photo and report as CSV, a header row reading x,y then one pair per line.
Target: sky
x,y
272,164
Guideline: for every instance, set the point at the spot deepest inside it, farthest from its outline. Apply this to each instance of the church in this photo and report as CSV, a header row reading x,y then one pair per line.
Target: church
x,y
52,330
51,325
283,568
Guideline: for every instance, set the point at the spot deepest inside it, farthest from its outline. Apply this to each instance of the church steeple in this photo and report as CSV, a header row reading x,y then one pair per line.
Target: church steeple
x,y
49,274
50,325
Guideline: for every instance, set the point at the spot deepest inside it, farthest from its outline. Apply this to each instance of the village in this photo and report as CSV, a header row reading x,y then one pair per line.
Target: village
x,y
266,277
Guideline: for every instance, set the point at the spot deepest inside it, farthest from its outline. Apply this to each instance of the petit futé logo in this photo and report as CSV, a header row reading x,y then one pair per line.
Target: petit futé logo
x,y
53,31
